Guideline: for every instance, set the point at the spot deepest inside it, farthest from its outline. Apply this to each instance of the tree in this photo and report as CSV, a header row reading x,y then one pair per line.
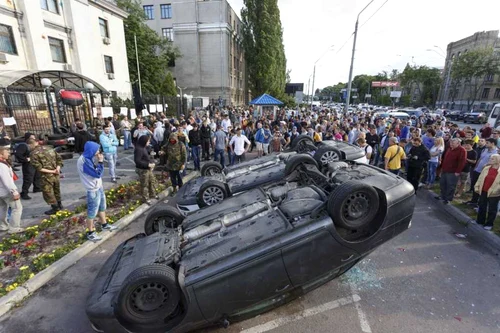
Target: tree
x,y
168,86
288,76
422,83
154,52
264,49
471,68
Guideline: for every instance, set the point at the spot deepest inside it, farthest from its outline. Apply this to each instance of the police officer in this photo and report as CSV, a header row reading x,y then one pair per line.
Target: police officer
x,y
30,175
48,163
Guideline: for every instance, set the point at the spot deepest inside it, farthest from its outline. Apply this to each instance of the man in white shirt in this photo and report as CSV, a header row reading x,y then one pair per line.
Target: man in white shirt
x,y
239,149
225,123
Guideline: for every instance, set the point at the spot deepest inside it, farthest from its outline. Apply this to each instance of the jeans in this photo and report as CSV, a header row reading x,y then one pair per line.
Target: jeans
x,y
413,176
487,205
111,158
16,212
396,172
127,140
238,158
448,184
474,176
205,143
195,151
431,172
219,152
230,155
175,178
96,202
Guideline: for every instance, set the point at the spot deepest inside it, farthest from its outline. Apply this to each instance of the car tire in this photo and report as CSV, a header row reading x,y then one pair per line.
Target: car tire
x,y
64,130
326,154
168,215
211,192
353,205
296,161
302,144
211,168
159,283
66,155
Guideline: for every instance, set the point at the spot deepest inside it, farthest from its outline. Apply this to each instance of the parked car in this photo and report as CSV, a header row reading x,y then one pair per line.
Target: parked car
x,y
412,112
250,253
218,183
493,118
456,115
475,117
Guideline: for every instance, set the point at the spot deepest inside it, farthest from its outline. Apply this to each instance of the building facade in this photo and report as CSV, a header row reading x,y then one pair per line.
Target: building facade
x,y
208,35
455,97
81,36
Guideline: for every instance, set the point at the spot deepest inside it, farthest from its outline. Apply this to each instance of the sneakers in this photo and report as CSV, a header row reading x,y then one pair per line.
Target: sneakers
x,y
108,226
148,202
488,227
437,198
94,237
15,230
113,180
4,228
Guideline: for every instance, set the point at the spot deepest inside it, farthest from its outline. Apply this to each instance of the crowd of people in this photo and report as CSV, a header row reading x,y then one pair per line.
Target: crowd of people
x,y
424,150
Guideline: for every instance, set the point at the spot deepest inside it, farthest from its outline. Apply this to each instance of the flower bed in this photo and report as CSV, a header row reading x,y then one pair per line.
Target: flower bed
x,y
25,254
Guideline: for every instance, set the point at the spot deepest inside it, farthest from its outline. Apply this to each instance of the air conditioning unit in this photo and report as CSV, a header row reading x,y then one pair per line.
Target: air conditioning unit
x,y
68,67
111,76
3,58
106,40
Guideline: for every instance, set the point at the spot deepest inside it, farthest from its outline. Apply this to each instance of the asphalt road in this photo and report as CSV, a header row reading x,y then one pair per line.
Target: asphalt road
x,y
426,280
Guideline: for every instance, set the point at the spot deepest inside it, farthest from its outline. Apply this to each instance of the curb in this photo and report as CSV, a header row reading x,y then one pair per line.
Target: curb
x,y
10,300
488,238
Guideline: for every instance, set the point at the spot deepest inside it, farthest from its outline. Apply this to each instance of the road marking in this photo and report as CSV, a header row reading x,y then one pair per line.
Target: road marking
x,y
303,314
365,326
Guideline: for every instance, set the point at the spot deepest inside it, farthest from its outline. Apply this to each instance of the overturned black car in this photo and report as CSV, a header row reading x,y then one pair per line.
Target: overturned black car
x,y
249,253
218,183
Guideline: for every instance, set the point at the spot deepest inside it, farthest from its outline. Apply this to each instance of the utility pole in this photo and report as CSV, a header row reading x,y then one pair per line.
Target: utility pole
x,y
138,68
349,86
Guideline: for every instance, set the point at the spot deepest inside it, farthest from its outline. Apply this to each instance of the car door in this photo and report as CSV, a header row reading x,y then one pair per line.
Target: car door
x,y
315,255
242,286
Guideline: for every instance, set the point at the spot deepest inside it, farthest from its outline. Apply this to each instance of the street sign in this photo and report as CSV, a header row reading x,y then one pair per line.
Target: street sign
x,y
395,94
383,84
368,95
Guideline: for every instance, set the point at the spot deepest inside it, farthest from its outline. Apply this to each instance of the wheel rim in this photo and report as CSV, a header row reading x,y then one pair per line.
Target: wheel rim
x,y
163,223
357,205
210,171
149,297
301,146
329,156
213,195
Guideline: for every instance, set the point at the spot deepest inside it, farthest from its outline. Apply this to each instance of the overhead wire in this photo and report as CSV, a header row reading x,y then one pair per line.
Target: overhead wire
x,y
379,8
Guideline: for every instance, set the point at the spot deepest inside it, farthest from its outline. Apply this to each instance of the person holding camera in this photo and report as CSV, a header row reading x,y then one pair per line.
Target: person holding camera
x,y
91,178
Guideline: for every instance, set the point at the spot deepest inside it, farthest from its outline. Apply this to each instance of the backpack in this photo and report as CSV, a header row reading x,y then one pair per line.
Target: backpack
x,y
14,150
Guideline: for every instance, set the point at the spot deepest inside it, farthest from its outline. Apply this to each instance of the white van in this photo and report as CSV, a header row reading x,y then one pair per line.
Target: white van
x,y
494,119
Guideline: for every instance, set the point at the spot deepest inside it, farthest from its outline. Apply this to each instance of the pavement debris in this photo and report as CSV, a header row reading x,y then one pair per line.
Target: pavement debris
x,y
458,235
401,249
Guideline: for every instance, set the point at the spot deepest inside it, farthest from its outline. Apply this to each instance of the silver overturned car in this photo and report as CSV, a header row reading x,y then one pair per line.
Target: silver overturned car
x,y
218,183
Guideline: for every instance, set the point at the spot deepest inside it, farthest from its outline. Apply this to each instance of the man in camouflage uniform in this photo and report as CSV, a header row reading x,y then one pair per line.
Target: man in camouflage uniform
x,y
175,151
48,163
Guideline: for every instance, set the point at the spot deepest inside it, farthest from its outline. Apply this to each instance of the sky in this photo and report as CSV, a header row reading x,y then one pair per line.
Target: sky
x,y
401,32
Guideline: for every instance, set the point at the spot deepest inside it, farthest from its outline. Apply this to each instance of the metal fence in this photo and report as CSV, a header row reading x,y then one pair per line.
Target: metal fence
x,y
32,114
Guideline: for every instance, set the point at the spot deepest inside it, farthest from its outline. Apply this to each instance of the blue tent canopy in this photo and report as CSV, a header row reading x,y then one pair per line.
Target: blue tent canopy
x,y
266,100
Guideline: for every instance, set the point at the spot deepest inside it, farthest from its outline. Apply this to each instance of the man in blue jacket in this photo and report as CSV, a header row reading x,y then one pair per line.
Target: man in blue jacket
x,y
109,142
90,176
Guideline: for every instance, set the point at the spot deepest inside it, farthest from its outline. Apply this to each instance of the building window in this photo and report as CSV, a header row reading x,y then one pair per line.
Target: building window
x,y
166,11
7,42
57,50
168,33
149,12
18,99
486,93
489,78
50,5
497,93
108,64
103,26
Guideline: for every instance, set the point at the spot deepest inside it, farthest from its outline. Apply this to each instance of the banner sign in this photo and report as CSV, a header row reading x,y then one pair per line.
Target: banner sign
x,y
383,84
396,94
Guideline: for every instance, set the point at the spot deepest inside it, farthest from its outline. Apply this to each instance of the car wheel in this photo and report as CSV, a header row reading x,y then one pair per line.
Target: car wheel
x,y
326,154
353,205
64,130
211,192
211,168
297,161
148,295
164,218
303,144
66,155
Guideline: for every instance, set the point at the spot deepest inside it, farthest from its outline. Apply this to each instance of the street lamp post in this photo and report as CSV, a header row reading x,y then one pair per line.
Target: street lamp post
x,y
46,83
314,71
349,86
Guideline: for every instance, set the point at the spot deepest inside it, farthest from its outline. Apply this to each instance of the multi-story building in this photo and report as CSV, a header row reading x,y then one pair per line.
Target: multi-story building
x,y
84,37
208,35
456,97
